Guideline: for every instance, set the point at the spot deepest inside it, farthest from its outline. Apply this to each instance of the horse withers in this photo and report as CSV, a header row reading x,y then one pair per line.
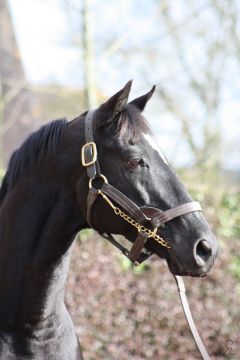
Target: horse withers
x,y
44,202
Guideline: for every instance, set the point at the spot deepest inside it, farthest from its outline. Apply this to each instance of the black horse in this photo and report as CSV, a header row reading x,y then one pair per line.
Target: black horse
x,y
43,204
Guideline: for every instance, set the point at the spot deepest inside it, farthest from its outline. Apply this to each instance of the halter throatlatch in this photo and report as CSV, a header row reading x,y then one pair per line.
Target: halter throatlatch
x,y
145,220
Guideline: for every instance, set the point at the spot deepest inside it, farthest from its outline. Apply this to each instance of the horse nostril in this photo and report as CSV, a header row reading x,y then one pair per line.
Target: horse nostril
x,y
203,252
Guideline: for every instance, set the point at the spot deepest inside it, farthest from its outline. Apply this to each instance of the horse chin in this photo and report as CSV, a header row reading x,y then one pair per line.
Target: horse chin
x,y
176,268
175,265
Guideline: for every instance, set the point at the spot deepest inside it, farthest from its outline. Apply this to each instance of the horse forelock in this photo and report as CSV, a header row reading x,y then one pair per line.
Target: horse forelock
x,y
130,124
35,147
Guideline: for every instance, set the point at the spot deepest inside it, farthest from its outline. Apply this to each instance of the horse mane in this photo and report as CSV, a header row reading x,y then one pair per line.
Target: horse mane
x,y
38,144
130,124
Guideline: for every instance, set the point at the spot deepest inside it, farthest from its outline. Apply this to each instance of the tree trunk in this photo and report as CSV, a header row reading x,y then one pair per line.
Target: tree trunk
x,y
87,42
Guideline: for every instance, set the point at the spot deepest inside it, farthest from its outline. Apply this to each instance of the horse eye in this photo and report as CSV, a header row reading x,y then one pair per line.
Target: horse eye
x,y
136,161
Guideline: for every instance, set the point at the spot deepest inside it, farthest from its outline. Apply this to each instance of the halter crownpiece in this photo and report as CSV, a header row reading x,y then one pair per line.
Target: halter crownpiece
x,y
129,211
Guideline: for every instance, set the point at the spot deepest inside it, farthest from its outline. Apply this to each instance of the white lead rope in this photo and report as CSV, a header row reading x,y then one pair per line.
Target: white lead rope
x,y
188,315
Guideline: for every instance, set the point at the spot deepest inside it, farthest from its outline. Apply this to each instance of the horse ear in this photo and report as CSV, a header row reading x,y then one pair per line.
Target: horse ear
x,y
114,105
141,101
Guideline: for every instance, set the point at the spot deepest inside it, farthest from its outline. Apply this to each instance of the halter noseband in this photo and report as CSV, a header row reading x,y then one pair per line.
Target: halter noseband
x,y
146,220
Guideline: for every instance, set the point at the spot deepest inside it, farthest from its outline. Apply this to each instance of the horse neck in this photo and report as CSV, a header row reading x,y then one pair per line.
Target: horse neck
x,y
38,223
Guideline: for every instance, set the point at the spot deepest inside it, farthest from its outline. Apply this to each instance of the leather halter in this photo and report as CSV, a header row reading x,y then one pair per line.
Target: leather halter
x,y
139,217
146,219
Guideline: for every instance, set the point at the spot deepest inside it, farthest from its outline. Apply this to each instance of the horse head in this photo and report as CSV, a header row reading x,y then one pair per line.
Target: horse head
x,y
132,162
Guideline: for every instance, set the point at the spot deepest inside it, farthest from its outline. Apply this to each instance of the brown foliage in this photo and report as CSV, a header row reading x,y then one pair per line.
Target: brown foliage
x,y
121,315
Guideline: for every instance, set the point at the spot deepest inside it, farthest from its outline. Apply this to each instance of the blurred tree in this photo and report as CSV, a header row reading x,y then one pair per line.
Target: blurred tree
x,y
16,100
183,47
198,44
95,46
87,48
198,109
82,38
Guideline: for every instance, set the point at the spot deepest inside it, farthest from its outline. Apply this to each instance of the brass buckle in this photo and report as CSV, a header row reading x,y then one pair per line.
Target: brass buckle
x,y
93,150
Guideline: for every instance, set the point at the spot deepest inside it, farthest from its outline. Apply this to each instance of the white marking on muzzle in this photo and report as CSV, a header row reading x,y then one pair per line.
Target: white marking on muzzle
x,y
151,141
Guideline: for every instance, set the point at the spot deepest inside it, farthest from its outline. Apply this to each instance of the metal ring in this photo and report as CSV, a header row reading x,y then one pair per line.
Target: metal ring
x,y
141,228
98,176
117,211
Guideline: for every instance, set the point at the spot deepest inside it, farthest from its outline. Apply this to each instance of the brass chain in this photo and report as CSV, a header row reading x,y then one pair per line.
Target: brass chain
x,y
140,228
